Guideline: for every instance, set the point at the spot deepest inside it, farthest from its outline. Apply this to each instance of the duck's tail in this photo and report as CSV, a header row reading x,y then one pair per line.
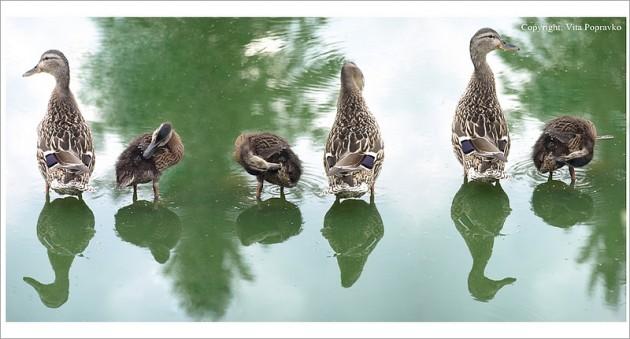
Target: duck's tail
x,y
72,187
349,186
484,169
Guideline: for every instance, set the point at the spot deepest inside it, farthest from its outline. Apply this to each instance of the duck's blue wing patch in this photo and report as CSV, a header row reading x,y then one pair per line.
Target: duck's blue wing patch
x,y
467,146
368,161
51,160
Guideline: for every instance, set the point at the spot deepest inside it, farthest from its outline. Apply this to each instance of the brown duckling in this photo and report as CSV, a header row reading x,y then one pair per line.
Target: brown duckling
x,y
269,158
147,157
565,140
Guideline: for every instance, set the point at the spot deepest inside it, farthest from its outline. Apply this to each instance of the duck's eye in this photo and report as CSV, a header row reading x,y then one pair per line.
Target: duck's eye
x,y
46,58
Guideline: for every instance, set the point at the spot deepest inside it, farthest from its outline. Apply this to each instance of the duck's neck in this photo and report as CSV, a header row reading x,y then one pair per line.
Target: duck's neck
x,y
63,81
483,77
350,103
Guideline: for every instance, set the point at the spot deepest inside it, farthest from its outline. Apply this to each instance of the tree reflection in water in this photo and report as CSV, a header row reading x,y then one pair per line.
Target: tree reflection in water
x,y
212,78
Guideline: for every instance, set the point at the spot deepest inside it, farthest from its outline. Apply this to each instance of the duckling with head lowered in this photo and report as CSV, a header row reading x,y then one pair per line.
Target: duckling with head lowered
x,y
65,150
269,158
480,137
567,141
354,151
147,157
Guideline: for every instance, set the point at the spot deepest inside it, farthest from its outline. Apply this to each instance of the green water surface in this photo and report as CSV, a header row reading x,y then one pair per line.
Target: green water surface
x,y
428,249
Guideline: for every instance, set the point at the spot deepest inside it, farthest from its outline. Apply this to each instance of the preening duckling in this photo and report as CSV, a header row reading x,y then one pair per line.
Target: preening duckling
x,y
269,158
567,141
147,157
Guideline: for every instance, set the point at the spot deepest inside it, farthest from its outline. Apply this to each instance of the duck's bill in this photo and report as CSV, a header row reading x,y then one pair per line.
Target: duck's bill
x,y
32,71
508,47
150,150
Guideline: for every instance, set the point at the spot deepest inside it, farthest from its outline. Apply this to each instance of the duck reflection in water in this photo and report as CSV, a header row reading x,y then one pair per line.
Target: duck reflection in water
x,y
269,222
149,225
65,227
561,205
479,210
353,228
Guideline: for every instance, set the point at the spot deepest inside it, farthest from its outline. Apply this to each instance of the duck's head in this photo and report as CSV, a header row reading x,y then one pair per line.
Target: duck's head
x,y
160,137
487,40
52,62
351,77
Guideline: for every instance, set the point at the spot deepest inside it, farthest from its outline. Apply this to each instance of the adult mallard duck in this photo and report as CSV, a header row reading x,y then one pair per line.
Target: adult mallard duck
x,y
480,138
269,158
147,157
354,150
65,150
565,140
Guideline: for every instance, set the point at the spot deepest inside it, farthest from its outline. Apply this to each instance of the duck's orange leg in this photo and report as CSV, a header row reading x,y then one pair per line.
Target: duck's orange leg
x,y
156,190
259,187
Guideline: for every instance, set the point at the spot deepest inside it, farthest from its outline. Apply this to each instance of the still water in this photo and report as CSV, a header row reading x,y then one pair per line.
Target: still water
x,y
428,249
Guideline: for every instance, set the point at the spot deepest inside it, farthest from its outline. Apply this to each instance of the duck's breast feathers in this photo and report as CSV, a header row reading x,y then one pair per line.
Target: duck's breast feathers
x,y
170,154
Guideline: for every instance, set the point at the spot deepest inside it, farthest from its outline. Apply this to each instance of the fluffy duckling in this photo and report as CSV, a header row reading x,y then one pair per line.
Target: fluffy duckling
x,y
147,157
269,158
65,150
567,141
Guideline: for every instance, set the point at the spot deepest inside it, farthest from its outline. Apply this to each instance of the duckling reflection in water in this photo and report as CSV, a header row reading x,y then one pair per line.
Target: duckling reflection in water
x,y
567,141
353,228
65,227
479,210
147,157
561,205
269,158
269,222
147,224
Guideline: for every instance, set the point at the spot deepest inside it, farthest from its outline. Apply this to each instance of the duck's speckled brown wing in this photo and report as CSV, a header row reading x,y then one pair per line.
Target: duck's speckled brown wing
x,y
68,137
354,134
131,167
490,127
268,146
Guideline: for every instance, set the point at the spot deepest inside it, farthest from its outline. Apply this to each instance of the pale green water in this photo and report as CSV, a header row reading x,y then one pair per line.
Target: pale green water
x,y
429,249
